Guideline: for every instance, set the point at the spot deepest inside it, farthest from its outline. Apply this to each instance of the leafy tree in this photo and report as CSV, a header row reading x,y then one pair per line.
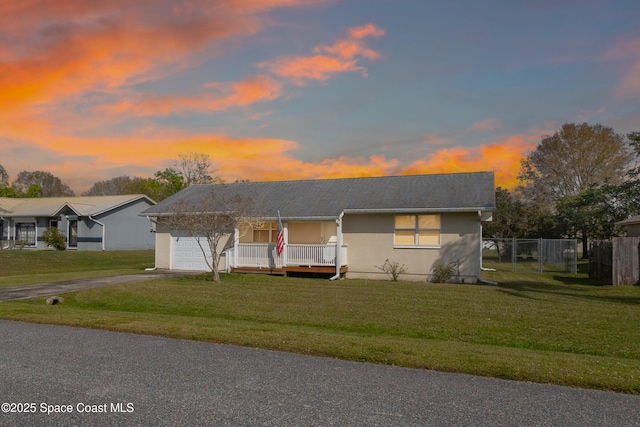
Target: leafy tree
x,y
573,159
586,215
6,191
593,213
49,185
508,218
516,219
623,201
211,219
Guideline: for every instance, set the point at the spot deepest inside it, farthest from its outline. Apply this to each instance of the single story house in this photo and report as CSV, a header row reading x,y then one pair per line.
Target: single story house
x,y
632,224
89,223
347,227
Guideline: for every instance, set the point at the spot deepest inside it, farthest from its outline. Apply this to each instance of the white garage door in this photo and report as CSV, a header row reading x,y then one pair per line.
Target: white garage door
x,y
187,255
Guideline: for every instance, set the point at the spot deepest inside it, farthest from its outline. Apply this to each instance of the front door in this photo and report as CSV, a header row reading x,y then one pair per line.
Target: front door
x,y
73,233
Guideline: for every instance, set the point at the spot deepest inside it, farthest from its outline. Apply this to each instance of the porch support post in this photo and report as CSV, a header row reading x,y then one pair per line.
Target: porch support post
x,y
236,240
338,246
285,235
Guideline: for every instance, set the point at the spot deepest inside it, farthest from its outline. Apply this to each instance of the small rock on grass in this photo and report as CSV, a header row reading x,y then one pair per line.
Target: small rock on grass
x,y
54,300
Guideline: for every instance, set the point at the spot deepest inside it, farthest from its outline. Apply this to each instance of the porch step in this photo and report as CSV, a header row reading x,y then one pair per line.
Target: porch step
x,y
291,269
258,270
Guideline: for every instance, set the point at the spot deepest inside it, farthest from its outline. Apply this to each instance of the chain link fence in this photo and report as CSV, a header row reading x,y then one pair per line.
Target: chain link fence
x,y
530,255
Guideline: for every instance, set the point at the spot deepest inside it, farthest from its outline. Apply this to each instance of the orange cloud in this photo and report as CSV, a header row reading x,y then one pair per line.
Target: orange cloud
x,y
221,96
319,67
342,57
366,31
501,157
53,51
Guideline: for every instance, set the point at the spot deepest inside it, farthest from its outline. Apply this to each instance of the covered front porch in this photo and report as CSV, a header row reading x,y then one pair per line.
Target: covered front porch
x,y
309,247
298,258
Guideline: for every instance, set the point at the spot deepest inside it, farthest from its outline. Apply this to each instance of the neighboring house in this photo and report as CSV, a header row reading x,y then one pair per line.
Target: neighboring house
x,y
89,223
346,226
632,224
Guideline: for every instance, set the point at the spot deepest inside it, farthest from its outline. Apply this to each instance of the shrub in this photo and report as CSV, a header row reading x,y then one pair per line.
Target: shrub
x,y
393,269
52,237
442,273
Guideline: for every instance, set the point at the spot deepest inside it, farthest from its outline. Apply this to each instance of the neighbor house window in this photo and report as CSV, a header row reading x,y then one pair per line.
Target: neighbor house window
x,y
267,233
26,232
417,230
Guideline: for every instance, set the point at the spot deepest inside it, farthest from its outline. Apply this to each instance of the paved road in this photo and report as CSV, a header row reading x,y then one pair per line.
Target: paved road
x,y
55,288
145,380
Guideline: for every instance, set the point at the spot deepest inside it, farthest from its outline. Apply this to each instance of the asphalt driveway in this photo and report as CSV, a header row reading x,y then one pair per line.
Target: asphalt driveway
x,y
55,375
54,288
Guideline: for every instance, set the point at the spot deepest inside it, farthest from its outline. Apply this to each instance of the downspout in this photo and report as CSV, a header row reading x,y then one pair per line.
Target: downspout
x,y
152,229
338,246
103,229
481,280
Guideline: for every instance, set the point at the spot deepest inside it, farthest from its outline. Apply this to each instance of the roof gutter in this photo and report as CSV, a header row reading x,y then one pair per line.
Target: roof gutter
x,y
417,210
266,218
103,229
338,246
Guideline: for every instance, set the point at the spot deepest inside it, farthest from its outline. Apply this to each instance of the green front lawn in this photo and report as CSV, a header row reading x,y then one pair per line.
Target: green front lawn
x,y
24,267
549,328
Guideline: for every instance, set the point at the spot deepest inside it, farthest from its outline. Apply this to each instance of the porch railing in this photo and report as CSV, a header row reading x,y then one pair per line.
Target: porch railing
x,y
264,255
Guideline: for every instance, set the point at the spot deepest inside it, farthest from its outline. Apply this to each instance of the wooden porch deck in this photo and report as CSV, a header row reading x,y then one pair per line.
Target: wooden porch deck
x,y
283,271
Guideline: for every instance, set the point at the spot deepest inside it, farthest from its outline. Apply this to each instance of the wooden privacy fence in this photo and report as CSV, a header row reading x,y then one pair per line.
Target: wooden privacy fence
x,y
626,260
601,261
616,262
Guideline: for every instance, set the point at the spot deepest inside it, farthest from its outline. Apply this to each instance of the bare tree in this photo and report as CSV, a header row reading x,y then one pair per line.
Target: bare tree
x,y
573,159
114,186
212,219
196,168
49,185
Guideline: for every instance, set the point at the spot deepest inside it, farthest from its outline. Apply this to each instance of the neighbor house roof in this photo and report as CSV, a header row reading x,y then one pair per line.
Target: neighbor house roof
x,y
51,206
630,221
327,198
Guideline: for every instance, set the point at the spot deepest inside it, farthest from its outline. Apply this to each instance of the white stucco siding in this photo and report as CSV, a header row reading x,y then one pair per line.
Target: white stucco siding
x,y
176,251
370,241
163,249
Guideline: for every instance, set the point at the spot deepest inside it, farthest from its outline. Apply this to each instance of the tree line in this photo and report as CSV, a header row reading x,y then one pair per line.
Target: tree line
x,y
192,168
577,183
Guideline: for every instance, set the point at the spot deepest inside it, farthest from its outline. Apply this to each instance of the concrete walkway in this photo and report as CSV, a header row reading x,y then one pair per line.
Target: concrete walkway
x,y
56,375
55,288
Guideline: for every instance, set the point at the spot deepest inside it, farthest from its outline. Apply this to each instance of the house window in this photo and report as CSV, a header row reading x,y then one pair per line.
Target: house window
x,y
417,230
267,233
26,232
53,223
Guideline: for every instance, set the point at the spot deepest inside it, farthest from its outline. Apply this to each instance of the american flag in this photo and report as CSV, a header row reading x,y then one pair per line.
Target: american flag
x,y
280,241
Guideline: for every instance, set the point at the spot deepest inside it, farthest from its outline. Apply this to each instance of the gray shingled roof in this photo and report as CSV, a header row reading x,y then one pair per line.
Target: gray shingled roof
x,y
329,197
51,206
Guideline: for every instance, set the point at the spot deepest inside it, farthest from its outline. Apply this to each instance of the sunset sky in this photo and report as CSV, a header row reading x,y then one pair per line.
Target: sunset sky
x,y
299,89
